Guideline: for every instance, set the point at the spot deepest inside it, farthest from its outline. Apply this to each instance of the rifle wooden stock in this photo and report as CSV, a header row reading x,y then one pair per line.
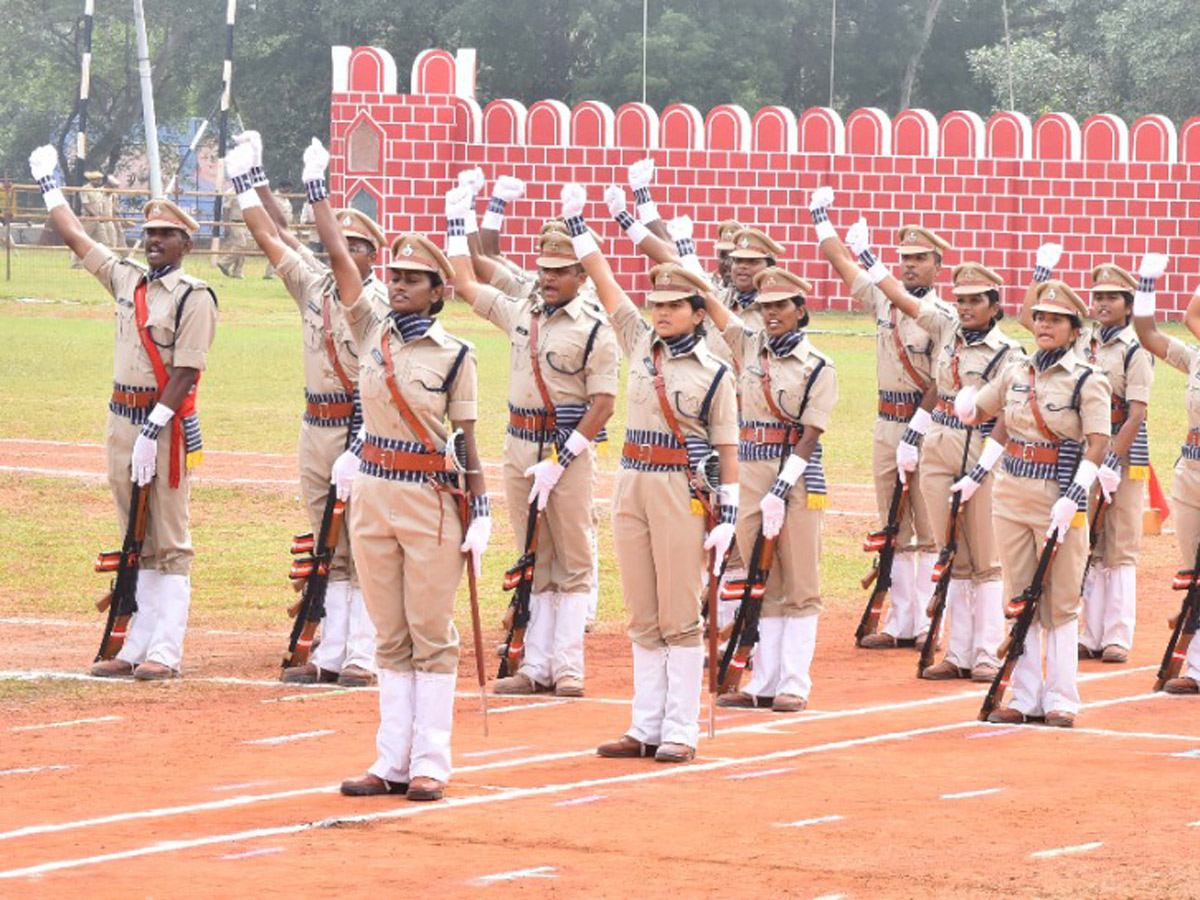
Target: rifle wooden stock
x,y
869,623
1183,629
745,624
121,600
311,607
517,614
869,579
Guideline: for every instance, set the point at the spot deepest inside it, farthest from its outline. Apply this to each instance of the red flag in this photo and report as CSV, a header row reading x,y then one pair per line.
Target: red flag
x,y
1158,500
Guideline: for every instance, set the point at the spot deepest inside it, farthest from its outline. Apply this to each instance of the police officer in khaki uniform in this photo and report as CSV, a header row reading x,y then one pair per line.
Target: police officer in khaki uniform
x,y
1185,490
563,380
285,214
722,276
94,212
235,240
166,322
332,417
1055,426
787,391
904,370
417,384
972,351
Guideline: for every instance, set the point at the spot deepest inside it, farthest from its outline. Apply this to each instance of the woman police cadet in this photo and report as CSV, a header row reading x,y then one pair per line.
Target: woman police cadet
x,y
788,391
405,527
681,407
1053,428
971,351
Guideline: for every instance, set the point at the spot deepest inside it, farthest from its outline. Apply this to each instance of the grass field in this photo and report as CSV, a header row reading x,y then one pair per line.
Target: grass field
x,y
56,372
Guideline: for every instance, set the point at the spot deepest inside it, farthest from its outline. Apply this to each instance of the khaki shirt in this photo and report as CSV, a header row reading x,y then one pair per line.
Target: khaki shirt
x,y
422,368
571,372
970,361
184,344
94,202
688,379
891,373
1054,389
285,206
790,375
311,285
1128,383
1187,360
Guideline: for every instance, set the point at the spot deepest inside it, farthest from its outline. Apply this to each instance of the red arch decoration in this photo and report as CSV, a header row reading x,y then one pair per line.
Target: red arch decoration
x,y
869,132
1009,136
371,70
468,120
682,127
821,130
548,124
915,133
434,72
592,124
504,122
636,127
1105,138
1056,136
1153,139
727,127
963,134
774,130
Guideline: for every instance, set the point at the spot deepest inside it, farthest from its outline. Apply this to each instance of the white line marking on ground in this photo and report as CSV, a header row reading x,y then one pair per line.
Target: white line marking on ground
x,y
994,732
1194,738
243,785
292,698
1063,851
481,753
32,769
804,823
1184,754
496,710
285,738
742,776
591,798
831,897
66,724
962,795
1100,703
250,853
536,872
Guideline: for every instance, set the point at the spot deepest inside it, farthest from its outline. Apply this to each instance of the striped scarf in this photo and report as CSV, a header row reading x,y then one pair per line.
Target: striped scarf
x,y
1044,359
160,272
410,325
744,298
679,344
974,335
783,344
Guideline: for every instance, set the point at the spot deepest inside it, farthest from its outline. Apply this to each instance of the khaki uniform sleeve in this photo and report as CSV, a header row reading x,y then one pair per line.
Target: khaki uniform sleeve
x,y
934,320
1139,377
302,281
1095,402
734,334
822,399
464,393
197,329
865,293
506,281
990,400
628,325
499,308
105,265
1179,355
360,317
604,364
722,413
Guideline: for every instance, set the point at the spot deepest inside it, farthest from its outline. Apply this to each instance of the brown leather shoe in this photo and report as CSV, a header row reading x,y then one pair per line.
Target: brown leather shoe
x,y
112,668
788,703
515,684
880,641
674,753
1182,686
626,748
945,671
742,700
568,686
372,786
1059,719
1087,653
152,671
1115,653
1008,716
305,674
984,672
355,676
425,788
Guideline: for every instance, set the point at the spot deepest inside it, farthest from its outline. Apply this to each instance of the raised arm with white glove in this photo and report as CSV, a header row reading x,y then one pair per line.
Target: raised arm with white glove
x,y
239,163
1151,269
858,239
641,173
504,191
1047,258
458,211
574,197
818,208
473,181
43,165
316,161
680,230
614,199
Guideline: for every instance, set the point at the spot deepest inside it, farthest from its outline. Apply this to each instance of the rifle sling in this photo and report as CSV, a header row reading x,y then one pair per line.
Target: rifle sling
x,y
331,349
406,413
660,388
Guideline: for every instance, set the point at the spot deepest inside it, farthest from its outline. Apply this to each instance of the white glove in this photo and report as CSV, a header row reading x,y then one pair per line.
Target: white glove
x,y
988,457
1061,514
316,161
793,468
545,476
907,457
458,202
573,199
472,179
858,238
821,198
145,460
614,199
254,140
641,173
1153,265
773,509
475,543
964,405
240,160
1109,478
719,541
680,228
345,467
43,161
967,486
1048,255
508,188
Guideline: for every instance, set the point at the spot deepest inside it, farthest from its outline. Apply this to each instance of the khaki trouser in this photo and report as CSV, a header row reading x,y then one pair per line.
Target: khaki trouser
x,y
167,547
660,549
1022,507
235,239
564,546
1185,497
1121,528
977,557
409,575
794,585
319,447
915,531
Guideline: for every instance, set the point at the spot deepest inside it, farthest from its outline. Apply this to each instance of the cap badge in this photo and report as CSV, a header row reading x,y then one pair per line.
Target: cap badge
x,y
155,210
1051,294
744,242
406,250
1105,275
771,281
348,220
664,278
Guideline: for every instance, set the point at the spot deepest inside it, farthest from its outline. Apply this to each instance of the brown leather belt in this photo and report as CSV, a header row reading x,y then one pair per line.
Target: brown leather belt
x,y
654,455
898,410
403,460
329,410
535,422
1120,411
1193,438
766,434
946,408
1034,453
135,399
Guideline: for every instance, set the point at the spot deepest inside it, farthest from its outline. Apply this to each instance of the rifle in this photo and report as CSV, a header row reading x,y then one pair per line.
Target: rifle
x,y
883,543
310,569
745,625
519,580
456,450
1093,537
941,570
711,468
1183,628
121,599
1024,608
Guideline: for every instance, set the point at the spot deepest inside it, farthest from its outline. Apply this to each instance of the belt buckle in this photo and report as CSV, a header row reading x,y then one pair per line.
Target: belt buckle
x,y
760,434
323,410
387,458
1027,451
644,452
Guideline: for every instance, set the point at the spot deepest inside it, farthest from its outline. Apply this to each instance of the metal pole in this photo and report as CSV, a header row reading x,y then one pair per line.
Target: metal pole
x,y
85,84
1012,103
645,29
196,138
832,46
8,217
226,97
149,122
